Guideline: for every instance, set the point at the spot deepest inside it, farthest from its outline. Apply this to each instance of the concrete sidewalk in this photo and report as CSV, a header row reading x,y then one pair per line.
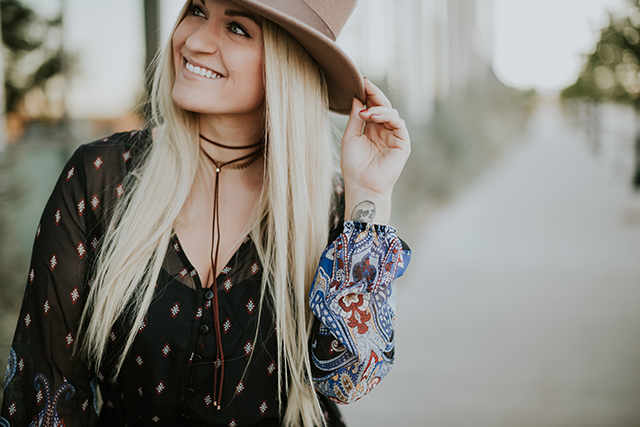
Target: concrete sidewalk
x,y
522,304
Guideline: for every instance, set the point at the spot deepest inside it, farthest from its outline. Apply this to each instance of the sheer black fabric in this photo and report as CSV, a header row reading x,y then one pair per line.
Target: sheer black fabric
x,y
167,376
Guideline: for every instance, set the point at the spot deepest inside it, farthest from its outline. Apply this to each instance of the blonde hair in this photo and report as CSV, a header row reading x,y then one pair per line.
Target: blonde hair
x,y
289,226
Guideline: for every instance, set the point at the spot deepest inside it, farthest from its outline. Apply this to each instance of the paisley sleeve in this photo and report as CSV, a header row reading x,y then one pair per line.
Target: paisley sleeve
x,y
353,300
44,385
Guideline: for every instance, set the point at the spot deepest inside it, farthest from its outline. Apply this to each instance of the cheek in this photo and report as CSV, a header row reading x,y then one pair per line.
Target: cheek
x,y
258,76
180,36
250,70
176,44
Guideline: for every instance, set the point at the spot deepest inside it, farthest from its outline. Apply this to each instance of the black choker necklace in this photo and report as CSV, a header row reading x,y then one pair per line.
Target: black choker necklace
x,y
230,147
249,159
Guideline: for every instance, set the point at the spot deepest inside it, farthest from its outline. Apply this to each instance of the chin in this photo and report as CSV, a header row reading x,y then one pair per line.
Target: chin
x,y
195,103
190,102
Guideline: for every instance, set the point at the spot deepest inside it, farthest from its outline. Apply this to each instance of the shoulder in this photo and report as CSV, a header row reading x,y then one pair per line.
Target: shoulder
x,y
123,148
101,166
111,156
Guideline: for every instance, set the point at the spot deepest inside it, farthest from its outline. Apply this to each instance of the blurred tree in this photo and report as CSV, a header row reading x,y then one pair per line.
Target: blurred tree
x,y
31,58
151,30
12,262
32,51
3,123
612,72
152,42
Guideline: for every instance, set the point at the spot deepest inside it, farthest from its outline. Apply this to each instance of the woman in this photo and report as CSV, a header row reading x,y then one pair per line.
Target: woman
x,y
238,174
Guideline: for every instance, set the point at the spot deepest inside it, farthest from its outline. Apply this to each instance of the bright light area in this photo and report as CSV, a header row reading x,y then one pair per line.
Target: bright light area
x,y
540,44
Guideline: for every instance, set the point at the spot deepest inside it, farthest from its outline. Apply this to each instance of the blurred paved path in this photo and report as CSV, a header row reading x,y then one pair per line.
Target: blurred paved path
x,y
522,304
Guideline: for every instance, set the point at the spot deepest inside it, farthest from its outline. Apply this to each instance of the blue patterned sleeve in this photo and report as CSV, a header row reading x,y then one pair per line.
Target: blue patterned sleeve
x,y
353,300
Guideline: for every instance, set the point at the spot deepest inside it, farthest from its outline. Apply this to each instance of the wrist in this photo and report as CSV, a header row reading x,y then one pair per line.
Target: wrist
x,y
367,206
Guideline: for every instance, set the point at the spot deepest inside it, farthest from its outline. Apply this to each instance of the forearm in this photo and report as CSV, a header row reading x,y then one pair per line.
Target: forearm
x,y
364,205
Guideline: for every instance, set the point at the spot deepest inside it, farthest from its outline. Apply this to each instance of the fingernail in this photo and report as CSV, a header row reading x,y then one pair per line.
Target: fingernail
x,y
365,78
364,111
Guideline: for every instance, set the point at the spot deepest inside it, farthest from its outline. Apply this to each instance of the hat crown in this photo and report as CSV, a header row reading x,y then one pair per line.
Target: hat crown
x,y
325,16
334,13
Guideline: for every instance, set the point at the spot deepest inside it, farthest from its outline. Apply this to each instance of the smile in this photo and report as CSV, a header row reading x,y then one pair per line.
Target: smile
x,y
202,71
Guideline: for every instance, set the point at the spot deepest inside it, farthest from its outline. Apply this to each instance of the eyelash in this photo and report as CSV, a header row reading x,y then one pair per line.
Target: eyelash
x,y
232,24
197,11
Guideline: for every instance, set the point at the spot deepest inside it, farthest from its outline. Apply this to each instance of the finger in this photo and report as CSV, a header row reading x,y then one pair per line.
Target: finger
x,y
354,126
365,114
393,123
375,97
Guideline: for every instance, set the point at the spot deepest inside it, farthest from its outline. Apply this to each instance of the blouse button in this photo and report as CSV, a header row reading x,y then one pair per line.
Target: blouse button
x,y
191,392
204,329
208,295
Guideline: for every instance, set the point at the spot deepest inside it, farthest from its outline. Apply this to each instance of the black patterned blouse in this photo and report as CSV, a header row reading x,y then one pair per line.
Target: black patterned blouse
x,y
166,378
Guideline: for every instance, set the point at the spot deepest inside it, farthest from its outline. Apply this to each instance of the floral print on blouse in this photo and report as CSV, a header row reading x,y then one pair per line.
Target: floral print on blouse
x,y
166,378
353,299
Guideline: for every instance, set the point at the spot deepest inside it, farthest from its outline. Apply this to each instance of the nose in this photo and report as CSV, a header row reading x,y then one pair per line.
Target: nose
x,y
203,40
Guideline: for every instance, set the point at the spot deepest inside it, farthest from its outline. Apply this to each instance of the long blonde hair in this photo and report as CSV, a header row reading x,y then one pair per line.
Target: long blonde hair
x,y
289,226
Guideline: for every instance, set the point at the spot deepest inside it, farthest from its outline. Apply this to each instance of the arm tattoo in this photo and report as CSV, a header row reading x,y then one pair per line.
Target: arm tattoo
x,y
364,212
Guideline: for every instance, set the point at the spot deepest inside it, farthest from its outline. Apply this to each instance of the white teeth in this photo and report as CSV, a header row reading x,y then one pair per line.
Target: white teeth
x,y
202,71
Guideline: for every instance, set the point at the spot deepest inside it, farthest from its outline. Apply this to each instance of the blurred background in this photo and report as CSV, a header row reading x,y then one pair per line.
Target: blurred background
x,y
520,199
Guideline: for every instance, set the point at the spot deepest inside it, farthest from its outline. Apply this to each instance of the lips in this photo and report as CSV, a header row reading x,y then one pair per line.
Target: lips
x,y
203,72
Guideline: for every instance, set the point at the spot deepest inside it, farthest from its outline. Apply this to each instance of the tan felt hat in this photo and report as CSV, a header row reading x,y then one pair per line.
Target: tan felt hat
x,y
315,24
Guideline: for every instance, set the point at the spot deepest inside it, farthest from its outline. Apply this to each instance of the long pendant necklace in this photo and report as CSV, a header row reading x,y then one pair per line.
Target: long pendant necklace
x,y
239,163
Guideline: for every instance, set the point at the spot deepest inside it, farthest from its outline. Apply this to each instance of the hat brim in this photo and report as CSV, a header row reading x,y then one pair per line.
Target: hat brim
x,y
344,81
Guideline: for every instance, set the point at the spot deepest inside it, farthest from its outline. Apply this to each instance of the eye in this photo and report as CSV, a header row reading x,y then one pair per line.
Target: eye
x,y
197,11
238,29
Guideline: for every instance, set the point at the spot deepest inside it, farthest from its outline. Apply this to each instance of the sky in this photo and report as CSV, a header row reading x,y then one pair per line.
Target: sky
x,y
538,44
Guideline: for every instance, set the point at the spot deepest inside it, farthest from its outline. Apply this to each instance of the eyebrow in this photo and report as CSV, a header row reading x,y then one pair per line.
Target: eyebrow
x,y
231,12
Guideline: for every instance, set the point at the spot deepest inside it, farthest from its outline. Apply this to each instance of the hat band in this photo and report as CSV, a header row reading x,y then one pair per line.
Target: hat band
x,y
302,12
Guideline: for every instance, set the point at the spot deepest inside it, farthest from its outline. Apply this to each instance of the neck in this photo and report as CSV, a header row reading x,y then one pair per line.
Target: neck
x,y
230,131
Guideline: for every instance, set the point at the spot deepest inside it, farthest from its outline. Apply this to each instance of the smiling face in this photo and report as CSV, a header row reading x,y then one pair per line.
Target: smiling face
x,y
218,57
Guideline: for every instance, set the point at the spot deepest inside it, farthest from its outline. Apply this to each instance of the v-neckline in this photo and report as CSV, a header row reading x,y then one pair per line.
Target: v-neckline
x,y
185,259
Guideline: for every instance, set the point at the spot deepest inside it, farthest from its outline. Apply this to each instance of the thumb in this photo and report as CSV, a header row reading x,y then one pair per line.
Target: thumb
x,y
354,126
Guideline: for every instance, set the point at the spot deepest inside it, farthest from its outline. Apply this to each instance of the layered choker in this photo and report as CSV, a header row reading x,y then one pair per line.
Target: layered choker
x,y
239,163
231,147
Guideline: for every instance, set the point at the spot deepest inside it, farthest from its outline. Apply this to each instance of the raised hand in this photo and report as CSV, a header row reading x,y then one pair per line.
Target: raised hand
x,y
375,147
